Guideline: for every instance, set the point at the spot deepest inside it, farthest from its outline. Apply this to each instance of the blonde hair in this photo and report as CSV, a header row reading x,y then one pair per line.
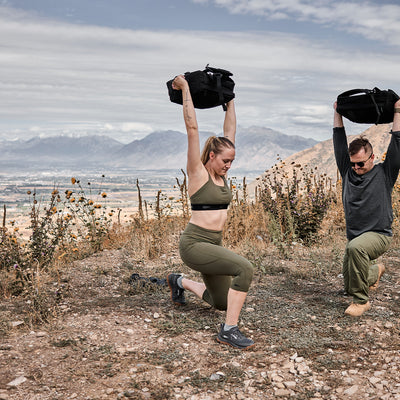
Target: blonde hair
x,y
215,144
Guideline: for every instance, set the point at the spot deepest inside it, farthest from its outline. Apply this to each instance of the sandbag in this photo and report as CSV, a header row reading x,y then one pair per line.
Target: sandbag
x,y
209,88
367,106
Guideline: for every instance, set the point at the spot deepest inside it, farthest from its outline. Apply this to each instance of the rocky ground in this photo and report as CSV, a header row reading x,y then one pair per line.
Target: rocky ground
x,y
111,339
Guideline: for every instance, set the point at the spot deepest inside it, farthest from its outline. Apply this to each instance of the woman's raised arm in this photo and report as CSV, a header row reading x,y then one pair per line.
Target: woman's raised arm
x,y
230,121
194,163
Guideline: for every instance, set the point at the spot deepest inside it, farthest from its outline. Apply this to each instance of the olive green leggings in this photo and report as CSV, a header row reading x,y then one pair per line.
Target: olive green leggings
x,y
201,250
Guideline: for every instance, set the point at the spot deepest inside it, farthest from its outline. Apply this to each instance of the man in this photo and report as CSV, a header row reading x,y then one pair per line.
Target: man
x,y
367,202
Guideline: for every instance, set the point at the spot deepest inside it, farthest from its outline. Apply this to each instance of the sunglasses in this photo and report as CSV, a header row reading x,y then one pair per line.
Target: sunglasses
x,y
360,163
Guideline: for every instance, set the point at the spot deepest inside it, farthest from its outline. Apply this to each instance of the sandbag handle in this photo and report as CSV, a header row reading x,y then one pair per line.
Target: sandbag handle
x,y
378,111
355,91
219,87
217,70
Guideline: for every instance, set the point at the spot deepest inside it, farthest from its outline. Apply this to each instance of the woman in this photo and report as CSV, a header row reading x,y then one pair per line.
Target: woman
x,y
226,275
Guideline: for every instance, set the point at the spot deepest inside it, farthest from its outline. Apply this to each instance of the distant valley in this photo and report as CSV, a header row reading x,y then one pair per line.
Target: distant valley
x,y
154,162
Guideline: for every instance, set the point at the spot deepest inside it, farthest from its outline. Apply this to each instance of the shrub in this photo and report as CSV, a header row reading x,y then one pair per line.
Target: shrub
x,y
63,228
297,203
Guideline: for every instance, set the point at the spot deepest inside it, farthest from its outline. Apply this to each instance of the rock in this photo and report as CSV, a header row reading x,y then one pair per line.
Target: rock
x,y
290,384
247,383
215,377
17,381
353,371
302,368
374,380
235,364
130,394
351,391
282,392
289,365
4,396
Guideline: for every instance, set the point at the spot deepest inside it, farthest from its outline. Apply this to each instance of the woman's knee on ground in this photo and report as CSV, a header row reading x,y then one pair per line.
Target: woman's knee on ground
x,y
216,300
221,305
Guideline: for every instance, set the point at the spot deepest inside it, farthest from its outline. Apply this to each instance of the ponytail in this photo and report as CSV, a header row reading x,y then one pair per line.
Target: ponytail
x,y
215,144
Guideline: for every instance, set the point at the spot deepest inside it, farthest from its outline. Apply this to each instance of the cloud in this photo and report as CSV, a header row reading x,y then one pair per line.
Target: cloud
x,y
375,21
82,78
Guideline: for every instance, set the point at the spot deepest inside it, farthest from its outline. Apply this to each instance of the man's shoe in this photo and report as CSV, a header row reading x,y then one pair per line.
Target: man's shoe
x,y
381,272
355,309
177,293
234,338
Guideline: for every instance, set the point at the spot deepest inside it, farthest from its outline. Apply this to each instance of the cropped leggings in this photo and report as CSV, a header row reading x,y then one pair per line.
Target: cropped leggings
x,y
221,269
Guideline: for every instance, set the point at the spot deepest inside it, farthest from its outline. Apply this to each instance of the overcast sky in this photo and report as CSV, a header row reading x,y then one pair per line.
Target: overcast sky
x,y
100,66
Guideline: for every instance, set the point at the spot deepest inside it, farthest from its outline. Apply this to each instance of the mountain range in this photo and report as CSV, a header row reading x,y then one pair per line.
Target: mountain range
x,y
257,149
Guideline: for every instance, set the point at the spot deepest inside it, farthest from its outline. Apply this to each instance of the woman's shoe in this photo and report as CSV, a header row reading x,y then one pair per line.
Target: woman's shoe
x,y
177,293
234,338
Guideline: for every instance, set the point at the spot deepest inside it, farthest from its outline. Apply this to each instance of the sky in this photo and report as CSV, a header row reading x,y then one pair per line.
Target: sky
x,y
77,67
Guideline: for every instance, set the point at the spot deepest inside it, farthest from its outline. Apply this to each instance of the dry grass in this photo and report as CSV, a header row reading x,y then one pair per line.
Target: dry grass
x,y
298,220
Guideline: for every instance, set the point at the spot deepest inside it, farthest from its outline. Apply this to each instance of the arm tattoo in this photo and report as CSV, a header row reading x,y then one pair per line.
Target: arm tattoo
x,y
186,107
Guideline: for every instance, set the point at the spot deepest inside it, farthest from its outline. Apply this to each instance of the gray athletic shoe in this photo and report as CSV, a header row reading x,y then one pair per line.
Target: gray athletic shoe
x,y
177,293
234,338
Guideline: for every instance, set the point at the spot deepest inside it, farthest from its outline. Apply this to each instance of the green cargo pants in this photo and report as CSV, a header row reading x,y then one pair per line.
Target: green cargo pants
x,y
360,270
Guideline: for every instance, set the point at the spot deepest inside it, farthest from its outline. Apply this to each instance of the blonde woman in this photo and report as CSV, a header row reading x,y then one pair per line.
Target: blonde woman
x,y
226,275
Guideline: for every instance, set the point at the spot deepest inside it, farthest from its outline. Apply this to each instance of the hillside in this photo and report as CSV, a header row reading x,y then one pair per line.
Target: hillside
x,y
321,155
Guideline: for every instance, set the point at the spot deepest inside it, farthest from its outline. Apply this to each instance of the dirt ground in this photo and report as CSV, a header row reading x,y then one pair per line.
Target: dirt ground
x,y
112,339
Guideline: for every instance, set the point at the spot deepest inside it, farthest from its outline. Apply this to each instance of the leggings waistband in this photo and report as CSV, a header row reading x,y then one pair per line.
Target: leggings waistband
x,y
202,234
